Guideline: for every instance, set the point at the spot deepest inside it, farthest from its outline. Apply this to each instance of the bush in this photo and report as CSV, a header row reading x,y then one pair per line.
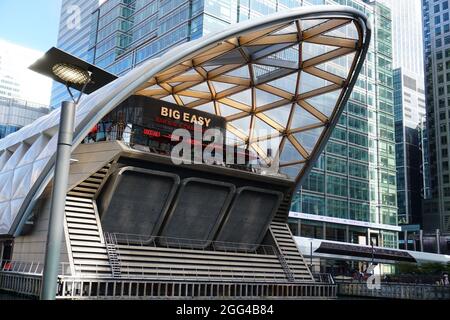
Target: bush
x,y
432,268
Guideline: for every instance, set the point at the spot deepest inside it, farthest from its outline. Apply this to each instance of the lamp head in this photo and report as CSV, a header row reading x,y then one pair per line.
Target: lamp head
x,y
71,71
71,74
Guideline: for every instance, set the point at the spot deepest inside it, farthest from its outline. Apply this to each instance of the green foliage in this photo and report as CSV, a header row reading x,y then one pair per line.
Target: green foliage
x,y
407,268
431,268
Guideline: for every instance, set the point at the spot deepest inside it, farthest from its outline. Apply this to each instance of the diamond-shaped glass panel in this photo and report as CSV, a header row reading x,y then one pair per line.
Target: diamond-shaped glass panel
x,y
312,50
325,103
280,114
339,66
348,31
244,97
263,98
309,23
302,118
288,83
289,153
241,72
227,111
308,139
222,86
292,171
243,125
308,82
207,107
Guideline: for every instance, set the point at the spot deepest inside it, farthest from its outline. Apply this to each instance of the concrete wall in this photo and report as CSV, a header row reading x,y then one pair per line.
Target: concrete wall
x,y
31,246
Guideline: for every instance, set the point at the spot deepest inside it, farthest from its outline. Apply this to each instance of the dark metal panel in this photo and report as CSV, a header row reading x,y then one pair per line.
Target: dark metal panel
x,y
248,220
44,65
137,201
197,213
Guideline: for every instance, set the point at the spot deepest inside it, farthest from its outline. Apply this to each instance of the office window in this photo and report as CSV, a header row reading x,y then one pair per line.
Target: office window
x,y
336,232
337,208
337,186
311,229
313,204
337,165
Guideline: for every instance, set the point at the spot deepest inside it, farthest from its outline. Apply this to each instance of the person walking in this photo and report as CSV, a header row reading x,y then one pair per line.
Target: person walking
x,y
445,280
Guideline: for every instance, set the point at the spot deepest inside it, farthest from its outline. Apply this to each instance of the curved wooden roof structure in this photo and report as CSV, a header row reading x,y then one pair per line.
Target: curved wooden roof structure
x,y
283,78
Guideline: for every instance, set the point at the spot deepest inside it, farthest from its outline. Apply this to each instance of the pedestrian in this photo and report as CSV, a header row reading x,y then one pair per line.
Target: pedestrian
x,y
445,281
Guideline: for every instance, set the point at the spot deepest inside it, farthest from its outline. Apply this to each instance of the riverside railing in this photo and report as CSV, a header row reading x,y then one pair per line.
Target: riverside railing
x,y
192,244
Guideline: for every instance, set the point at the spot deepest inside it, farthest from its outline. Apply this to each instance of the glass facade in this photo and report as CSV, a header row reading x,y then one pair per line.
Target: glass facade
x,y
410,136
125,33
73,37
437,87
16,114
407,30
356,175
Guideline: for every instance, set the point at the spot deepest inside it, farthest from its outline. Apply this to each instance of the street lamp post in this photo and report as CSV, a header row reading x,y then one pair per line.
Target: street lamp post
x,y
70,75
56,223
73,73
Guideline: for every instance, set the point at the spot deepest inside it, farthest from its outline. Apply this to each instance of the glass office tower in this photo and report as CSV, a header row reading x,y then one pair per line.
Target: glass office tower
x,y
353,184
355,179
437,87
410,116
16,114
73,37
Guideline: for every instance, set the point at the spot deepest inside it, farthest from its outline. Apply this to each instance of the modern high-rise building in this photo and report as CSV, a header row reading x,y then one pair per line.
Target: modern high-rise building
x,y
24,94
410,138
74,36
16,80
16,114
350,195
410,116
407,34
436,20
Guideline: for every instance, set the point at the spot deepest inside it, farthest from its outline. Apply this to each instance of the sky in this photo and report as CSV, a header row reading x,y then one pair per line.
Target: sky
x,y
30,23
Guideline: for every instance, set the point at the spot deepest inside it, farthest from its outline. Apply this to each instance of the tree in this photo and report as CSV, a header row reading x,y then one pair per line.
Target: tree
x,y
404,268
432,268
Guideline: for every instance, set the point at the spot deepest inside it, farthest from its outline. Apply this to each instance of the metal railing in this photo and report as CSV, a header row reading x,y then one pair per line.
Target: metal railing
x,y
31,268
140,271
87,289
132,135
129,271
180,243
395,291
323,278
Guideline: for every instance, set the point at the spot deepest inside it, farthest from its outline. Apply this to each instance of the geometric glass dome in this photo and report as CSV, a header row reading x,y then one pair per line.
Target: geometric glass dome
x,y
280,80
278,86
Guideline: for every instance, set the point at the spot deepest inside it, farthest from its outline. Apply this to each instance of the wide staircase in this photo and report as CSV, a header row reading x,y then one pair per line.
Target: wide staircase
x,y
295,265
98,254
87,245
181,263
